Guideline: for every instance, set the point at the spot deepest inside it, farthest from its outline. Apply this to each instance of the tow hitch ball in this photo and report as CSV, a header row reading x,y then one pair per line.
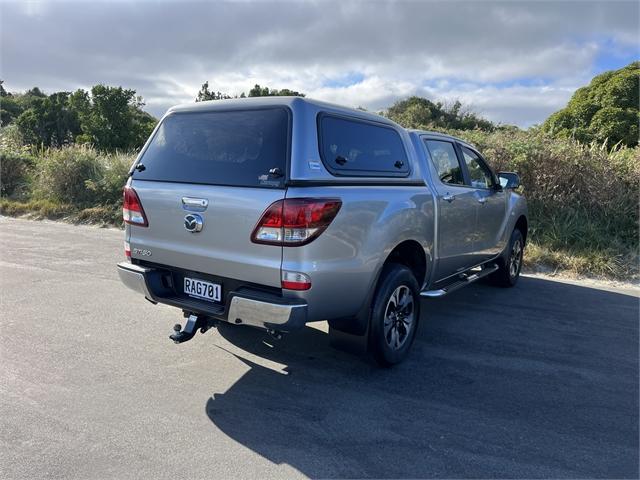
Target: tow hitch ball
x,y
194,323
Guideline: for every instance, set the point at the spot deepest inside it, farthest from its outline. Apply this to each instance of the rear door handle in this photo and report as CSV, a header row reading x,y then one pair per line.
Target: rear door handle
x,y
448,198
482,200
196,204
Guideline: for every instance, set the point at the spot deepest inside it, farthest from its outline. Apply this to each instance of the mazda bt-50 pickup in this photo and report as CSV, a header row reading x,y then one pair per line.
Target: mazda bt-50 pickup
x,y
276,212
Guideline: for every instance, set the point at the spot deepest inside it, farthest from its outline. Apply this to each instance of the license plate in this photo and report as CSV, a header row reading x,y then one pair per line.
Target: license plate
x,y
197,288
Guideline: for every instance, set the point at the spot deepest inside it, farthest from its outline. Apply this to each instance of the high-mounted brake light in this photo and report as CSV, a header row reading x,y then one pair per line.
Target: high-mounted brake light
x,y
295,221
132,211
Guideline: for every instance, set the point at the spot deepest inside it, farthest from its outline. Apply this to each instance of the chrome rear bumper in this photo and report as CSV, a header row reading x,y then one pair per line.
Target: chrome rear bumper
x,y
133,276
256,309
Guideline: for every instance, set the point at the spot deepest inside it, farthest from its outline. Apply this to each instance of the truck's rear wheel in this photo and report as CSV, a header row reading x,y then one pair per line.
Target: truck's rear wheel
x,y
511,263
395,315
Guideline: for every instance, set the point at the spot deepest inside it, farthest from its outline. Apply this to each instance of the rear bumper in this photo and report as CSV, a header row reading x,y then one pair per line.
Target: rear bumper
x,y
133,276
243,307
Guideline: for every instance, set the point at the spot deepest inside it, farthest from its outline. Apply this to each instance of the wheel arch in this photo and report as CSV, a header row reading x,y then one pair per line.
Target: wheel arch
x,y
411,254
408,252
522,224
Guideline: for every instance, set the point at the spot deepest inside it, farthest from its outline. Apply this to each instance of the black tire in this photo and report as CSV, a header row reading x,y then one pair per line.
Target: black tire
x,y
394,321
510,264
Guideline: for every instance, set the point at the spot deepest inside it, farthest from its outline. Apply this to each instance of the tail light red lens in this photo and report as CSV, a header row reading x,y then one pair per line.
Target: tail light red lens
x,y
295,281
295,221
132,211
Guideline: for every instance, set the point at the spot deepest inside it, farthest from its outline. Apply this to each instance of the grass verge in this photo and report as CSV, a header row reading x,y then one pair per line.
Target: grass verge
x,y
601,264
107,216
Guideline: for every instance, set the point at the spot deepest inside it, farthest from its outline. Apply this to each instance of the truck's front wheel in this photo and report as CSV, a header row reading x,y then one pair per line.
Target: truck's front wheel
x,y
395,315
511,263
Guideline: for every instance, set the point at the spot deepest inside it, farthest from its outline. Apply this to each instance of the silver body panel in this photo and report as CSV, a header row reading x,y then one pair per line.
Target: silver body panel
x,y
223,247
344,262
472,229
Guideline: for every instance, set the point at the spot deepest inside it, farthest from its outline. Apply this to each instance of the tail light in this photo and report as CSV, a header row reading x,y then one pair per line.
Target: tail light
x,y
132,212
127,250
295,281
295,221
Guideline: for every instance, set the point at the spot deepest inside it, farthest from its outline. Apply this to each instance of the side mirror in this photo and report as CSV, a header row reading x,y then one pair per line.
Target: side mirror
x,y
509,179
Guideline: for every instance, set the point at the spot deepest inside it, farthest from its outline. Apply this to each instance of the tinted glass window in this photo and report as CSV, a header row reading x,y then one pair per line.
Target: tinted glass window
x,y
349,147
444,158
479,173
235,148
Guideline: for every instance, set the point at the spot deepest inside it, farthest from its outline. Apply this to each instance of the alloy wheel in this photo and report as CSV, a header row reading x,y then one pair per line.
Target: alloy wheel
x,y
515,259
399,317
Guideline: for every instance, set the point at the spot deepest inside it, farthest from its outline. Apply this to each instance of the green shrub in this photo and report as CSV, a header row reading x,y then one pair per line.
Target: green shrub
x,y
16,164
63,173
583,199
81,175
107,190
584,188
15,173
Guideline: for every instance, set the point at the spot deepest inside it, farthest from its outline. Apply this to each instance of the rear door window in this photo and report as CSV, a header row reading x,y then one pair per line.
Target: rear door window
x,y
360,148
236,148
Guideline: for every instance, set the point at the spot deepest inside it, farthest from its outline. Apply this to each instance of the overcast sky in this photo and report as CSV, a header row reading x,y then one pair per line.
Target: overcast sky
x,y
512,62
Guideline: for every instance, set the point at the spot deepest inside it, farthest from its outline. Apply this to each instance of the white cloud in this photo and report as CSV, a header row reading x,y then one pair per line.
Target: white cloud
x,y
515,62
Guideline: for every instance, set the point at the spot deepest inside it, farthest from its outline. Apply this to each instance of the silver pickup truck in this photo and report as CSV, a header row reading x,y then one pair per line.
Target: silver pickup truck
x,y
275,212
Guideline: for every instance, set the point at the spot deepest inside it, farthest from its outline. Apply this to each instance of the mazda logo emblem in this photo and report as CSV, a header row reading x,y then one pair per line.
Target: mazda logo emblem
x,y
193,222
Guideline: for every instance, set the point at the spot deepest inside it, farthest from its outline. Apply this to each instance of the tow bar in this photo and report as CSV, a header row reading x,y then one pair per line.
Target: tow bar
x,y
194,322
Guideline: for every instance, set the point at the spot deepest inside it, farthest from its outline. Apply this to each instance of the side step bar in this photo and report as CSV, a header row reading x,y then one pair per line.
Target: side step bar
x,y
464,280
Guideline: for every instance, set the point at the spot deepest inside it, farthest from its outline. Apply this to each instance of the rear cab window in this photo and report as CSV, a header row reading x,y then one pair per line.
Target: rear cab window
x,y
233,147
352,147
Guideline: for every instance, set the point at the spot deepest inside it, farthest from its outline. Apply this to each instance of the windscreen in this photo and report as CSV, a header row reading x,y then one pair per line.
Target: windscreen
x,y
237,148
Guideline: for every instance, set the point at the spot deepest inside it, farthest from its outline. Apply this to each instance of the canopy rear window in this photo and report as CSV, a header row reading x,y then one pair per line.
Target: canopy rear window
x,y
236,148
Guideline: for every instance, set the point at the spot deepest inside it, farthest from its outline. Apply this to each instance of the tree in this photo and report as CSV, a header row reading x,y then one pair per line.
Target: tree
x,y
143,125
49,121
35,92
112,118
13,104
205,94
10,109
107,123
606,111
65,124
107,117
418,112
258,91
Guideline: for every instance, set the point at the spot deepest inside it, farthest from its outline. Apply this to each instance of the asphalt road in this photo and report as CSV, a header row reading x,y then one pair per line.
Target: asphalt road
x,y
537,381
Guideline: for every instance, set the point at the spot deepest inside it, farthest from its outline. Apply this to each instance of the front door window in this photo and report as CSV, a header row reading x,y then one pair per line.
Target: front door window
x,y
479,174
